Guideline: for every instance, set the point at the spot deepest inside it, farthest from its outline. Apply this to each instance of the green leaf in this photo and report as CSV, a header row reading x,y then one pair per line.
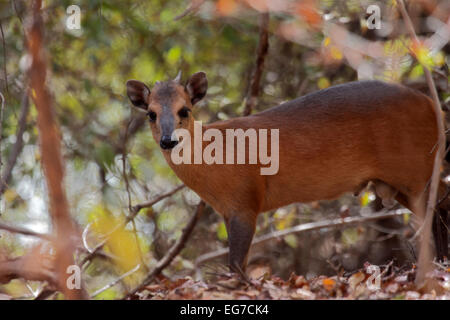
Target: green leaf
x,y
108,294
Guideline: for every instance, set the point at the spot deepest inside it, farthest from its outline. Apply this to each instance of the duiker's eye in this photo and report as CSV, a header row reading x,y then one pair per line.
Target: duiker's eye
x,y
151,115
184,112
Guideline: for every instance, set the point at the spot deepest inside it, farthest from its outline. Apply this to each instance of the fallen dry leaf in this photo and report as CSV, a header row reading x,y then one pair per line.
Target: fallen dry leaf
x,y
400,286
329,283
356,279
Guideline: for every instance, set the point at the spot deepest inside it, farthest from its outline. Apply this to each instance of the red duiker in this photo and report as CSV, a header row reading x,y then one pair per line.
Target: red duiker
x,y
330,142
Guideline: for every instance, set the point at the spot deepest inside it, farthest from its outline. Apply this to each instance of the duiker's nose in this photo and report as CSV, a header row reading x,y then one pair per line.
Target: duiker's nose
x,y
167,142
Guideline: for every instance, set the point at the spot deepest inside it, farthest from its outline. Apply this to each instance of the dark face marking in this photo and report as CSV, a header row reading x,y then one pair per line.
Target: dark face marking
x,y
165,92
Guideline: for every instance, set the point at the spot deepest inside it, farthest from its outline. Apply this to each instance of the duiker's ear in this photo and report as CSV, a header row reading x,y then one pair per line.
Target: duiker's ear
x,y
197,86
138,93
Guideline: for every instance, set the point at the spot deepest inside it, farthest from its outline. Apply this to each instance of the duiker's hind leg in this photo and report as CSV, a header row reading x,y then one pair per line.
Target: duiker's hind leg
x,y
440,233
440,219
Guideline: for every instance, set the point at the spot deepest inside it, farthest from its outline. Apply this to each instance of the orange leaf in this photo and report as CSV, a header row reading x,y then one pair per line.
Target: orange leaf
x,y
308,11
328,283
226,7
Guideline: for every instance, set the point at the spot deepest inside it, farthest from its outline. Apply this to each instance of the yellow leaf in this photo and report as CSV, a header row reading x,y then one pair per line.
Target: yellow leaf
x,y
416,72
364,199
323,83
10,195
174,54
393,3
222,232
423,54
284,218
439,59
120,242
326,41
336,54
109,294
406,218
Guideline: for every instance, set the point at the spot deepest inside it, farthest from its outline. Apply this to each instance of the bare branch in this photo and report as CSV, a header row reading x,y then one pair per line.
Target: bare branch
x,y
25,232
193,7
304,228
263,48
1,125
425,259
18,145
173,252
113,283
124,163
34,265
135,209
4,57
52,161
1,135
127,186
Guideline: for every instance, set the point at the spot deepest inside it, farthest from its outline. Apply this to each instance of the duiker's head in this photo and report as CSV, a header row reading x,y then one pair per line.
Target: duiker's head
x,y
168,105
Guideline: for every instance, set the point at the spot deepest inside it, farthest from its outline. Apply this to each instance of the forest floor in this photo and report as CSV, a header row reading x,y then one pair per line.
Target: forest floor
x,y
386,282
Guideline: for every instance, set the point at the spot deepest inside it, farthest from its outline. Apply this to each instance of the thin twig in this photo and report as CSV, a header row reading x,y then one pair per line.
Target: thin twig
x,y
17,12
136,238
424,263
84,238
127,186
25,232
124,164
1,133
261,53
18,145
92,253
4,57
113,283
135,209
29,267
173,251
339,222
193,6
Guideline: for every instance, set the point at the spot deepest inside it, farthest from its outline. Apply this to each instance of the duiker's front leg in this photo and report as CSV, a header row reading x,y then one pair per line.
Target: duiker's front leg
x,y
240,235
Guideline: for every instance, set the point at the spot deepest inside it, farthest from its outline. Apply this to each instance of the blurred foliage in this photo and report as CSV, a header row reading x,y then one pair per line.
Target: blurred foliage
x,y
120,242
121,40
